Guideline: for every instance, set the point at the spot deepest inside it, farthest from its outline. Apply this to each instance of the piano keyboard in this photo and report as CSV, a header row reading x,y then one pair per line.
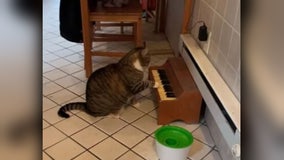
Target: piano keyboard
x,y
165,90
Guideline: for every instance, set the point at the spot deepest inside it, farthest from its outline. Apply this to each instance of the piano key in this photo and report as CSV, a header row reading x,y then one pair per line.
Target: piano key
x,y
161,71
168,88
170,94
155,73
161,90
165,82
164,97
163,77
165,91
157,78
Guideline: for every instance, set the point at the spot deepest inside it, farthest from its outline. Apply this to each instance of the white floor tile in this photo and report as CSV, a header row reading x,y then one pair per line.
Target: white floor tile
x,y
53,47
67,44
50,136
62,96
130,156
49,88
108,149
71,68
129,136
57,40
63,53
145,105
214,155
89,137
80,75
76,48
71,125
47,104
65,150
54,74
189,127
67,81
59,62
80,63
147,149
51,115
131,114
86,156
45,156
198,150
147,124
79,88
74,58
110,125
45,80
89,118
45,124
203,134
154,114
47,67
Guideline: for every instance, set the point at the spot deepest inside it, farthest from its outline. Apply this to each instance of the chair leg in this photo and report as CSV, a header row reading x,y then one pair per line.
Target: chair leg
x,y
87,27
88,50
138,35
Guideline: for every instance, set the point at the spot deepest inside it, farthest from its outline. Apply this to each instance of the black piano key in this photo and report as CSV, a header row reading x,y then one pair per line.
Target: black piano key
x,y
161,71
165,82
170,94
167,88
163,77
162,74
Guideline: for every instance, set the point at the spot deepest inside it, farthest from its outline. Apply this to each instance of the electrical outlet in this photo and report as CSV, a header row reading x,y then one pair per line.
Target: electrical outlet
x,y
206,44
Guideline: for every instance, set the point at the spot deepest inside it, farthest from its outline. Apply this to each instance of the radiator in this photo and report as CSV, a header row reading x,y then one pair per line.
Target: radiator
x,y
222,113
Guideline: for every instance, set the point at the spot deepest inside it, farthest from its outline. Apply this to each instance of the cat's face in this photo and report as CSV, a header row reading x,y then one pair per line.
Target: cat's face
x,y
138,56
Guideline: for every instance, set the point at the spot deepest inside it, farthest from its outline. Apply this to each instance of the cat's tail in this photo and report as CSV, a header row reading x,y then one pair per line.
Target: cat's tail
x,y
71,106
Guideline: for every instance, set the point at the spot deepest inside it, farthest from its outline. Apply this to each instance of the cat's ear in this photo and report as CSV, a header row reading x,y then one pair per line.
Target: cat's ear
x,y
144,51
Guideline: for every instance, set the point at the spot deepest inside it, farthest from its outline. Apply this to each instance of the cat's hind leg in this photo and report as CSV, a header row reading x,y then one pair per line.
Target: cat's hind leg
x,y
117,114
133,101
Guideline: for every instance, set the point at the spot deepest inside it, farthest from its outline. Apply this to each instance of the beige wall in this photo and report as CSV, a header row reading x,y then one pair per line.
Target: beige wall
x,y
174,22
222,18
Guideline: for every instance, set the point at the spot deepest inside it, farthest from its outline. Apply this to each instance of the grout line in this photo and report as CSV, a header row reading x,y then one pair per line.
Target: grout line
x,y
48,155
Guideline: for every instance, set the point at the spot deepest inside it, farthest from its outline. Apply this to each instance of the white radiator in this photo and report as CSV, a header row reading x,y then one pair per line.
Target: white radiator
x,y
223,109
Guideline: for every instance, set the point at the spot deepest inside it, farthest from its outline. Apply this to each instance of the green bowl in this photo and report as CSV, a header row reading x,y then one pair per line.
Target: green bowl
x,y
174,137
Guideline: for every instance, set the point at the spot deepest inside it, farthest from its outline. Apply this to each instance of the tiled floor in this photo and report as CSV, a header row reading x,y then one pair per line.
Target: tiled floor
x,y
83,137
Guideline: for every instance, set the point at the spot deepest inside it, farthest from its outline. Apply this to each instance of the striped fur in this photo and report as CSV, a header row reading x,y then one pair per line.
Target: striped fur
x,y
71,106
112,87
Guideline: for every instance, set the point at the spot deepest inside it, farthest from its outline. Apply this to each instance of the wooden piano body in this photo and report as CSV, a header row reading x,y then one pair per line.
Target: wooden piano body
x,y
185,104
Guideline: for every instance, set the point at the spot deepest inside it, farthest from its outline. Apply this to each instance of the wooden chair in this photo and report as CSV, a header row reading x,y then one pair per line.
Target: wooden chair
x,y
129,15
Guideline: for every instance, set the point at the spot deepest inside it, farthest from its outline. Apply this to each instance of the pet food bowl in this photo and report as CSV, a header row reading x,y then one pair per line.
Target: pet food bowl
x,y
172,143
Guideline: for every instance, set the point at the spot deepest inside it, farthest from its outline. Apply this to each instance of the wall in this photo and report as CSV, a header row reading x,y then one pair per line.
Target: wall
x,y
174,22
222,18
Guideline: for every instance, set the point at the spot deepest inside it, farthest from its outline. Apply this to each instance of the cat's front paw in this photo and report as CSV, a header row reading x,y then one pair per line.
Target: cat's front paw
x,y
156,85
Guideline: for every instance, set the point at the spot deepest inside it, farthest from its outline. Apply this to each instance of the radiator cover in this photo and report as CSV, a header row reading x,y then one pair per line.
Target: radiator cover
x,y
222,108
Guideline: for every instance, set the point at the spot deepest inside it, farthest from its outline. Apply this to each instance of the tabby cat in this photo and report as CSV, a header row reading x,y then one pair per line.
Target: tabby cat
x,y
113,87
